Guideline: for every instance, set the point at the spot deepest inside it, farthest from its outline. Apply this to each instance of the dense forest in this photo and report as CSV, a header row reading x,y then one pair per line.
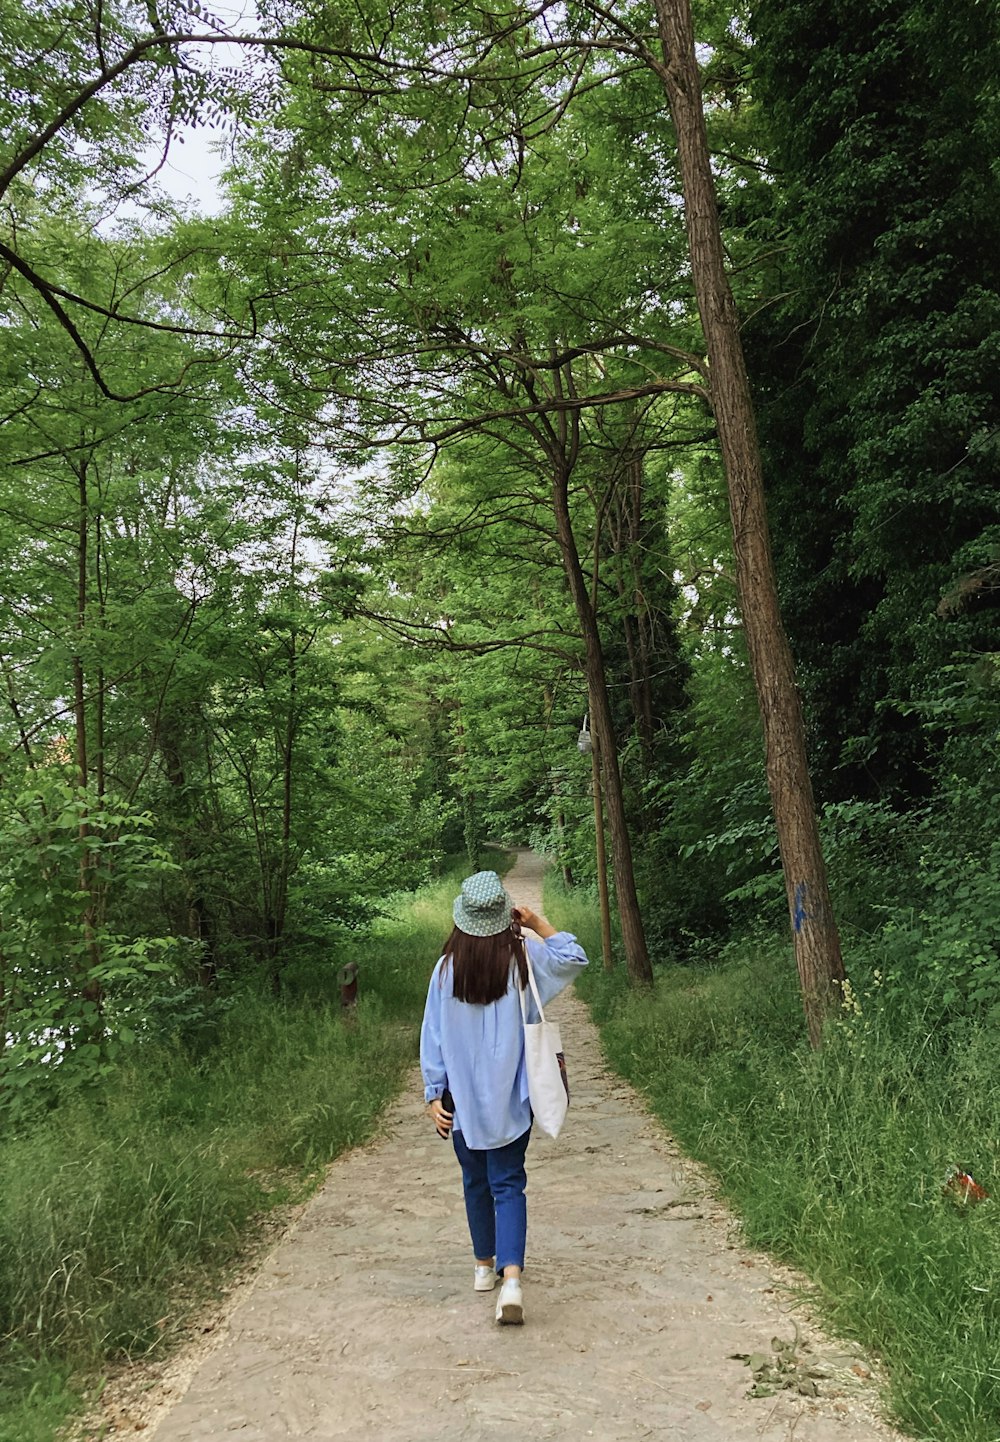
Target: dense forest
x,y
411,497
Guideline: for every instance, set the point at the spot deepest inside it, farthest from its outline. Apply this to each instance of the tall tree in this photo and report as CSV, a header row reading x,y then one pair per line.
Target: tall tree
x,y
817,944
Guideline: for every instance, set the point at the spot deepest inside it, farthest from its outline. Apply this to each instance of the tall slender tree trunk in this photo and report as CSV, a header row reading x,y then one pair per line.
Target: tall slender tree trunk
x,y
80,626
640,607
817,944
287,741
100,591
288,780
635,616
200,917
607,953
91,987
559,813
597,784
633,935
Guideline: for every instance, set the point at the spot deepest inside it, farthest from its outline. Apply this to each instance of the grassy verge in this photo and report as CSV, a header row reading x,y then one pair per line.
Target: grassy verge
x,y
837,1162
574,911
122,1211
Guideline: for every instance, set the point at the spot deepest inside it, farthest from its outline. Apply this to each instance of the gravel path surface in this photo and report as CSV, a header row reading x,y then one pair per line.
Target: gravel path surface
x,y
362,1322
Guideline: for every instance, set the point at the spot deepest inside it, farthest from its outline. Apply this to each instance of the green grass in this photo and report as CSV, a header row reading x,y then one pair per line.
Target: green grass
x,y
123,1210
575,911
836,1162
36,1397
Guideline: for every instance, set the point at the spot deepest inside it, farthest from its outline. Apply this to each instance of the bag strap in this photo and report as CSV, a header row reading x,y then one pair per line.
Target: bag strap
x,y
534,989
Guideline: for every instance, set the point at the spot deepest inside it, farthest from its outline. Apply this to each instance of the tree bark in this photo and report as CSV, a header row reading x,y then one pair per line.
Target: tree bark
x,y
607,953
287,740
817,944
200,919
635,615
90,988
633,935
80,626
100,700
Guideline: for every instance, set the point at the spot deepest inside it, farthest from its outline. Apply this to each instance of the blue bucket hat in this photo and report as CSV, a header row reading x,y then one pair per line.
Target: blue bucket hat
x,y
483,907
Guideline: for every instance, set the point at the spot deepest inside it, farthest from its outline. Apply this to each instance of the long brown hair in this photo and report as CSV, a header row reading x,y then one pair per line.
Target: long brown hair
x,y
481,964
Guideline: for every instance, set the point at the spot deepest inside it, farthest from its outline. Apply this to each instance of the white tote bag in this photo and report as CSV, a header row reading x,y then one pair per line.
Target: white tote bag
x,y
548,1090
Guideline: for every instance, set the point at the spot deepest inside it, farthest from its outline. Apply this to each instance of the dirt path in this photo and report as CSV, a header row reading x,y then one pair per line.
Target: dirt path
x,y
363,1324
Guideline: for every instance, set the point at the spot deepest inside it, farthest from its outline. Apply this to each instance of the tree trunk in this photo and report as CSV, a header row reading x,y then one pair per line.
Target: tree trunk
x,y
635,616
567,870
287,745
607,954
817,944
633,935
200,919
644,639
287,739
100,592
90,988
79,690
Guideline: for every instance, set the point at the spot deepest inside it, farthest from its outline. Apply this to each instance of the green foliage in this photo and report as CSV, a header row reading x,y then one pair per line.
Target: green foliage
x,y
875,368
293,618
943,954
711,864
165,573
36,1397
63,865
502,281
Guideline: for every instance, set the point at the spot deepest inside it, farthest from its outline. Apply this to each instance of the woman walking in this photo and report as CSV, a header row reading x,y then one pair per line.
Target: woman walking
x,y
472,1059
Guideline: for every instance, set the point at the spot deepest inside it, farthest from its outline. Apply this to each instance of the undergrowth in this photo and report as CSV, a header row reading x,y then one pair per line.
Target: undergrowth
x,y
123,1208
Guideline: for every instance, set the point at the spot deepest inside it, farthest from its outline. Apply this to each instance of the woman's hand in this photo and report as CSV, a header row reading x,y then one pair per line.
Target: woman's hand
x,y
534,921
442,1120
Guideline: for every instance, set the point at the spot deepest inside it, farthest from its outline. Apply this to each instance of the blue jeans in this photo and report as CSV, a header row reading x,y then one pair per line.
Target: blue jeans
x,y
494,1183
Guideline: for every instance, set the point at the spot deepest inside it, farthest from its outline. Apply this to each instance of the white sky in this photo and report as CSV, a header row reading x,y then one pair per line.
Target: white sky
x,y
193,167
192,170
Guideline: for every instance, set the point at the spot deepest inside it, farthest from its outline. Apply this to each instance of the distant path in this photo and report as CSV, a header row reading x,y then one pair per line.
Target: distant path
x,y
362,1323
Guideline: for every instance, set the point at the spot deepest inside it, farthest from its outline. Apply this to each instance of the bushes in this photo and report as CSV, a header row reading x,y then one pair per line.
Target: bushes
x,y
945,949
63,863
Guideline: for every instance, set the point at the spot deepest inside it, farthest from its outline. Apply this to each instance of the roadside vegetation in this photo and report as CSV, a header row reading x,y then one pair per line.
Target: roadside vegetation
x,y
126,1208
846,1162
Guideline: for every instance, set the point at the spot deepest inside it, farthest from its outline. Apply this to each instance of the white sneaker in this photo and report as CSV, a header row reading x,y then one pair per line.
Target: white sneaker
x,y
510,1305
486,1278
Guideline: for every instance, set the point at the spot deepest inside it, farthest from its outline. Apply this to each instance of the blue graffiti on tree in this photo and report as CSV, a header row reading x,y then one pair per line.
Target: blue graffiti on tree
x,y
799,913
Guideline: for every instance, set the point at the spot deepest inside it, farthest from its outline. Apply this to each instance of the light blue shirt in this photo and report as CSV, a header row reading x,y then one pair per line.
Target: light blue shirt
x,y
477,1052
